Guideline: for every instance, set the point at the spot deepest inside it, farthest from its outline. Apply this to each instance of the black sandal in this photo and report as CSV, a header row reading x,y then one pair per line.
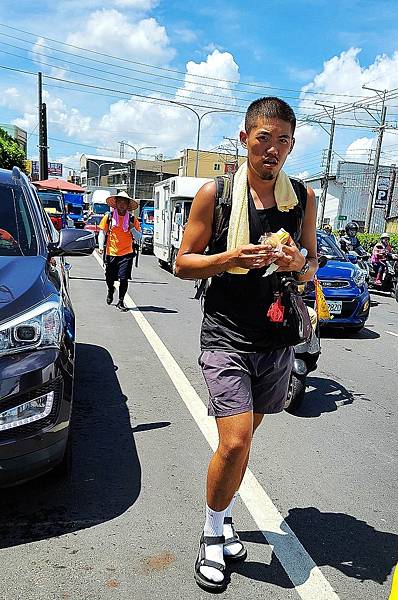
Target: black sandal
x,y
242,554
202,561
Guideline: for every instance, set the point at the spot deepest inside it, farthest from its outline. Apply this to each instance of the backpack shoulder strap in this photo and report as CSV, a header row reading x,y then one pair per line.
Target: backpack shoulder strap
x,y
222,204
301,191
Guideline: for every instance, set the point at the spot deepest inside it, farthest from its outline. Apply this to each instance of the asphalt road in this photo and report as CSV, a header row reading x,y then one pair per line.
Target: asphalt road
x,y
126,523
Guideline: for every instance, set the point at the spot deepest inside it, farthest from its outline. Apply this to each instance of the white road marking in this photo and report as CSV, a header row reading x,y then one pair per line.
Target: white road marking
x,y
305,575
391,333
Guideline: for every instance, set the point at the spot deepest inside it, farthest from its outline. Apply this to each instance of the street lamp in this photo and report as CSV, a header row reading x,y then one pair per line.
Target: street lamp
x,y
99,167
200,117
135,162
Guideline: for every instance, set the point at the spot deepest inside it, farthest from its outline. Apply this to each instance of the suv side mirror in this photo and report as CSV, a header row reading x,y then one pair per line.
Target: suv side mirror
x,y
322,260
352,257
73,242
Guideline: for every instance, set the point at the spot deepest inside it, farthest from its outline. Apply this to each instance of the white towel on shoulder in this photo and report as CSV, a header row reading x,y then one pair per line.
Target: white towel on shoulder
x,y
238,230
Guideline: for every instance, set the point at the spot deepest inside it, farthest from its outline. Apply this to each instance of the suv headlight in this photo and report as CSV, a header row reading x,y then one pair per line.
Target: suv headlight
x,y
359,277
38,328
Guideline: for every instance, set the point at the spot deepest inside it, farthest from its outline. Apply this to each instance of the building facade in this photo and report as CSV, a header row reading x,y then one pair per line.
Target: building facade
x,y
93,168
348,195
119,173
210,164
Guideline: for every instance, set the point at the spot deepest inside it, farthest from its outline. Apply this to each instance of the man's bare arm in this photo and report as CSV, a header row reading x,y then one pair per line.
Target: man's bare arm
x,y
308,236
192,263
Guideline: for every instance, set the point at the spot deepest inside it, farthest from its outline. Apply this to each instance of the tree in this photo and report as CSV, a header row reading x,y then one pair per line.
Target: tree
x,y
11,154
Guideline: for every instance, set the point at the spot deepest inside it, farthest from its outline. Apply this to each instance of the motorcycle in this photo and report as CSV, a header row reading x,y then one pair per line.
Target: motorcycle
x,y
389,282
306,357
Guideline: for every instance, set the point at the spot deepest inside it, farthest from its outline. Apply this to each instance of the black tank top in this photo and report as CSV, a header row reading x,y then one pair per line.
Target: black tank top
x,y
236,306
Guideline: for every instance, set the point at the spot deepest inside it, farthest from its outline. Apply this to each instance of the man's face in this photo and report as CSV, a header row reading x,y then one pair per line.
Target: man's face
x,y
268,145
121,206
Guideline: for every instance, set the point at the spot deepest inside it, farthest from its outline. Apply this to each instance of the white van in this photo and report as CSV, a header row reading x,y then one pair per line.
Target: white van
x,y
173,199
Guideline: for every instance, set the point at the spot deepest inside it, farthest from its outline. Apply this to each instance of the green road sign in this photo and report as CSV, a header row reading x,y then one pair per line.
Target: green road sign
x,y
342,217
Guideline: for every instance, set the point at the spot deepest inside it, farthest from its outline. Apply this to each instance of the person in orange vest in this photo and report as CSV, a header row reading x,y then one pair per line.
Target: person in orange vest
x,y
119,228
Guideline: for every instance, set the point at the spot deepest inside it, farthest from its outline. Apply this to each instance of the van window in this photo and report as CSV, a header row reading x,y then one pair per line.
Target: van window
x,y
17,233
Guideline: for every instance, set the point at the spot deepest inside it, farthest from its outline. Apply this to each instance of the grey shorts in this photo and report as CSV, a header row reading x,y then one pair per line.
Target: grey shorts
x,y
241,383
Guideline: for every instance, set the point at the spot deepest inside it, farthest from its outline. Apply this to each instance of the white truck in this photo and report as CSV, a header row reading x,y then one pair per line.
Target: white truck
x,y
172,201
98,205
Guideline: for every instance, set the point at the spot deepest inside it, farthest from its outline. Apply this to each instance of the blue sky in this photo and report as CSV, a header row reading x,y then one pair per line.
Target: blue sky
x,y
300,51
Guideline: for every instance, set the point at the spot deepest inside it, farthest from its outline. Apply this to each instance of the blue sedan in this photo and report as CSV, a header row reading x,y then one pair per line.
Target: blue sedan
x,y
343,285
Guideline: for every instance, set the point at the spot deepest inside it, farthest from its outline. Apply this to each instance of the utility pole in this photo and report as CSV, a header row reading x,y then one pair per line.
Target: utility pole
x,y
393,177
43,147
235,144
322,200
121,149
373,187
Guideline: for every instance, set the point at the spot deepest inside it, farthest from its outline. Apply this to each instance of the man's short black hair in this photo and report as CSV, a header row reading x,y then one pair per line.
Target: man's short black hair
x,y
269,108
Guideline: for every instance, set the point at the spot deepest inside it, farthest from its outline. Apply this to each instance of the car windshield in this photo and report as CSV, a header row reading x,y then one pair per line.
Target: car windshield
x,y
100,208
94,220
77,210
17,234
148,217
51,200
327,247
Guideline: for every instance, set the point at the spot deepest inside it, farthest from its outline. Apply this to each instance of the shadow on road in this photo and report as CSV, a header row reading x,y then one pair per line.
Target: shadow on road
x,y
88,278
156,309
327,396
331,539
333,334
106,473
135,281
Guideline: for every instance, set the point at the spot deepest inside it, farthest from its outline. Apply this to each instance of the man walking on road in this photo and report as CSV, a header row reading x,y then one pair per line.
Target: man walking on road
x,y
119,227
245,360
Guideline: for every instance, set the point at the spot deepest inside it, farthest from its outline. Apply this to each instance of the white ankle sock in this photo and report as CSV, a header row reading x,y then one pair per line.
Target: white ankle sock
x,y
228,510
214,527
232,549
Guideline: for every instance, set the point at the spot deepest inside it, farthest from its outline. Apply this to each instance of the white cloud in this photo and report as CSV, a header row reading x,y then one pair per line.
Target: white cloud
x,y
112,32
184,34
302,175
360,150
219,67
8,97
39,50
41,55
141,5
169,127
344,75
363,149
69,162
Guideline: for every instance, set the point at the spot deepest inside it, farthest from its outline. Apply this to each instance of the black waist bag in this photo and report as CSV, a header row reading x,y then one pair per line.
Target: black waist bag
x,y
296,326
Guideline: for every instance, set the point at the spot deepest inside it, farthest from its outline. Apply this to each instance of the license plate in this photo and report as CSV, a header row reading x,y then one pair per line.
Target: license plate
x,y
335,307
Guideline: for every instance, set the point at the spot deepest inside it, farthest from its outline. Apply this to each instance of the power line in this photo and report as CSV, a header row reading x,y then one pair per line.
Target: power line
x,y
193,94
169,70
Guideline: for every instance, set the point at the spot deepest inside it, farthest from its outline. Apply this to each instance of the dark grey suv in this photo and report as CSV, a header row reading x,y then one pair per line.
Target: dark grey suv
x,y
37,332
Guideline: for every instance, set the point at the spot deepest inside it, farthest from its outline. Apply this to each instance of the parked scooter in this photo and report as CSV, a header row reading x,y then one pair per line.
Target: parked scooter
x,y
306,357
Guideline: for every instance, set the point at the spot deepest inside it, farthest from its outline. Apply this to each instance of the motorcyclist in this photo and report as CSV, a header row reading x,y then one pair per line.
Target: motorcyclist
x,y
381,252
329,232
385,240
350,242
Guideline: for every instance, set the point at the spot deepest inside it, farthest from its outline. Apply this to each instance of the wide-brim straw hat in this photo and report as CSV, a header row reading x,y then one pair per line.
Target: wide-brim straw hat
x,y
111,201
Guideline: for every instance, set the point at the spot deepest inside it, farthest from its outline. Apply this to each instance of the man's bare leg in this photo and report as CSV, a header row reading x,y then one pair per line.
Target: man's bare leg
x,y
225,468
223,478
234,549
257,419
